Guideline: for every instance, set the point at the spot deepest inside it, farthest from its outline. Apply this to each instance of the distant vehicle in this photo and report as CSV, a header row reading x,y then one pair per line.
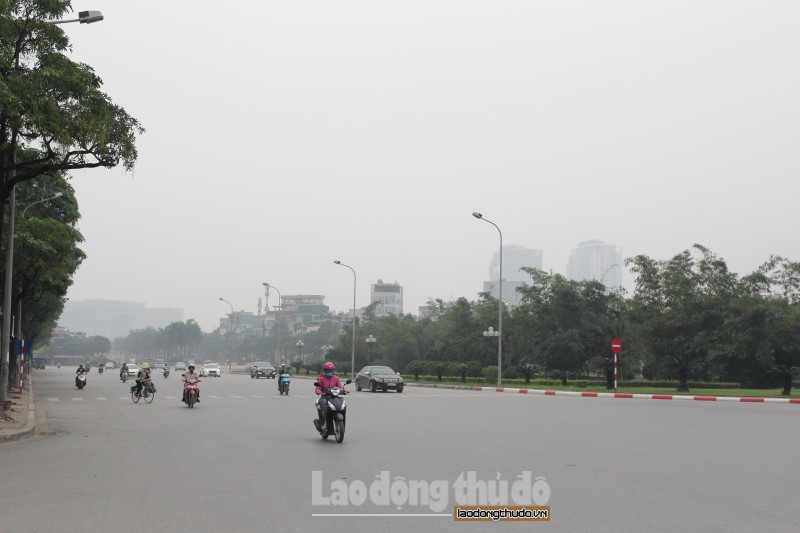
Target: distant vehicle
x,y
111,365
180,366
39,363
133,369
379,378
262,369
159,363
210,369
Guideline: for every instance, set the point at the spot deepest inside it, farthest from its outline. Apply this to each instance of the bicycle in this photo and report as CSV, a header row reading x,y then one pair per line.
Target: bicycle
x,y
147,392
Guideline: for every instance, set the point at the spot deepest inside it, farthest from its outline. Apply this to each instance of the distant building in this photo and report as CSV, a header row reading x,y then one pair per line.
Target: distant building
x,y
242,322
114,318
389,297
510,294
514,258
596,260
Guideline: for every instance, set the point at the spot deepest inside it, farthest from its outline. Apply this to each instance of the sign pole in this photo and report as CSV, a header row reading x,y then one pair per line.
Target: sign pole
x,y
616,346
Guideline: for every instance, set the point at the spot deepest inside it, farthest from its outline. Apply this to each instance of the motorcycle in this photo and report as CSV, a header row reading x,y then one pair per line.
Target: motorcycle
x,y
100,370
283,384
337,412
80,381
166,372
190,392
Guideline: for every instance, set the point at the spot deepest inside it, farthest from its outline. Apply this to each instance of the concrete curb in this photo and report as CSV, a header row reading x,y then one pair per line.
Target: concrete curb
x,y
740,399
11,435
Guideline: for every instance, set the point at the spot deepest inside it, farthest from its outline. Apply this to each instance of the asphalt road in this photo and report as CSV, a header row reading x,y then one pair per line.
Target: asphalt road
x,y
244,460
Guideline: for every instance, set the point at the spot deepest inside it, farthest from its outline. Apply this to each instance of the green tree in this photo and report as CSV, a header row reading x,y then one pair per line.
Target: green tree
x,y
568,321
53,112
679,308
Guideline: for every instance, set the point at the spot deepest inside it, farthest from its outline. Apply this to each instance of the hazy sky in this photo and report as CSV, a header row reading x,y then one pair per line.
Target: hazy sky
x,y
282,135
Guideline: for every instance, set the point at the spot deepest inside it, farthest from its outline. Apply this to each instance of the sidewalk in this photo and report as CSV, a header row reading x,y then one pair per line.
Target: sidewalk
x,y
21,419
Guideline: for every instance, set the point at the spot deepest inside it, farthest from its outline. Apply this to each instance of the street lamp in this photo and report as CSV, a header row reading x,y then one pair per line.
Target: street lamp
x,y
300,348
230,320
84,17
607,271
19,303
499,332
277,329
371,342
353,354
43,200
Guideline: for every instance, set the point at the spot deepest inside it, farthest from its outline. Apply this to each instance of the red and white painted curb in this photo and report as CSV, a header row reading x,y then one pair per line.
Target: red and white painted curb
x,y
744,399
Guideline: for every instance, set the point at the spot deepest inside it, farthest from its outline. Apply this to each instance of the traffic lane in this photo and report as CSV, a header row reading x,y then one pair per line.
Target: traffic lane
x,y
417,449
696,456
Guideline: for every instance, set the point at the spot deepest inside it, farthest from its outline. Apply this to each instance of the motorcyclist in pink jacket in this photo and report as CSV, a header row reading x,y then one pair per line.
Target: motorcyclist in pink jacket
x,y
327,380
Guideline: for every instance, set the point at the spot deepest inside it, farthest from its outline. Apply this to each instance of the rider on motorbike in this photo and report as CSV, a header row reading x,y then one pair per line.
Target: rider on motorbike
x,y
144,373
327,380
190,376
283,370
81,370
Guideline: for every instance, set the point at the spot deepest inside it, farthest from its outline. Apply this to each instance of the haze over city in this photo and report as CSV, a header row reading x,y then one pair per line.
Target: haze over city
x,y
284,135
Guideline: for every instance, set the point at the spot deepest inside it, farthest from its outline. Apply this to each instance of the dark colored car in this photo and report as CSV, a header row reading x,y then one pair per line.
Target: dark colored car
x,y
262,369
379,378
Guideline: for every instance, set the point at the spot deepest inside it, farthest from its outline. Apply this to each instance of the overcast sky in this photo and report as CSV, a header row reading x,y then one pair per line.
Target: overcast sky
x,y
282,135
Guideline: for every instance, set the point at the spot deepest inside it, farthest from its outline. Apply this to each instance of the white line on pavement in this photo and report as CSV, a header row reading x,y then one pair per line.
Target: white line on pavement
x,y
100,398
52,399
77,399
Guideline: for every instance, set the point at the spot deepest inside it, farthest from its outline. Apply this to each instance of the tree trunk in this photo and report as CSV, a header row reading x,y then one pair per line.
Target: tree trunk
x,y
787,384
609,377
564,377
683,380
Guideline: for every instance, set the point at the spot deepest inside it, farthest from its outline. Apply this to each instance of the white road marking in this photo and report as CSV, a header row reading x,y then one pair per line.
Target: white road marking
x,y
53,400
171,397
232,396
256,396
101,398
124,397
77,399
215,397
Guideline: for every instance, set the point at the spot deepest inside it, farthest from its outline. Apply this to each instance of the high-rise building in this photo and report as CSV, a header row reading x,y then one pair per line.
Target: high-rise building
x,y
389,297
596,260
114,318
514,258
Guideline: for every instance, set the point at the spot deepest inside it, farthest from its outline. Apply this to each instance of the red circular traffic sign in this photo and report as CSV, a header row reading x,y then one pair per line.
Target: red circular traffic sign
x,y
616,345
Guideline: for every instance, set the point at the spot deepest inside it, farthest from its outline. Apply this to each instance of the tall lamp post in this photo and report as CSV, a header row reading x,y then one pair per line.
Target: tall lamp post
x,y
230,320
371,342
499,305
84,17
277,328
22,216
353,354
